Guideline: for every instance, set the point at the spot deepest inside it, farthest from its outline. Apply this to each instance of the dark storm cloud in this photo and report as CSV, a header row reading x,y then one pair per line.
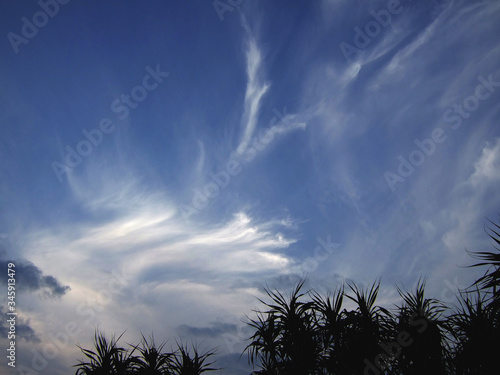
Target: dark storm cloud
x,y
31,278
216,329
23,329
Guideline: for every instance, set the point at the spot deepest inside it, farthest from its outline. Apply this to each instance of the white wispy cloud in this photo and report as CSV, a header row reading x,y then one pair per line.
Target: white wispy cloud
x,y
487,168
255,90
161,258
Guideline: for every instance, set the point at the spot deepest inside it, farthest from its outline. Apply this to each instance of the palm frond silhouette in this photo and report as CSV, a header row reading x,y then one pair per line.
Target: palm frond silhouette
x,y
476,328
186,363
102,361
491,279
420,317
151,361
287,341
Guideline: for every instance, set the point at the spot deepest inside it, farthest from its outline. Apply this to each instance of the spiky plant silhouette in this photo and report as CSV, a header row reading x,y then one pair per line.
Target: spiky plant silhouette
x,y
365,328
476,328
420,319
490,281
106,358
330,320
264,348
287,342
186,363
124,362
152,360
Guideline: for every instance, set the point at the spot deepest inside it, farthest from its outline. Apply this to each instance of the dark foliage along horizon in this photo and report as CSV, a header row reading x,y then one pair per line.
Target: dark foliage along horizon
x,y
307,333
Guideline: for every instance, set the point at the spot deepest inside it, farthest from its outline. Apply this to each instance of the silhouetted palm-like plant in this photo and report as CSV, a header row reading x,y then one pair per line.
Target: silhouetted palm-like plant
x,y
491,279
152,361
102,360
108,358
263,350
185,363
124,363
330,320
289,334
476,329
364,330
419,319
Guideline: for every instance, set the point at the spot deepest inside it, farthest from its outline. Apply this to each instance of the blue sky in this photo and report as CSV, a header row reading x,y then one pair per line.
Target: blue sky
x,y
162,161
